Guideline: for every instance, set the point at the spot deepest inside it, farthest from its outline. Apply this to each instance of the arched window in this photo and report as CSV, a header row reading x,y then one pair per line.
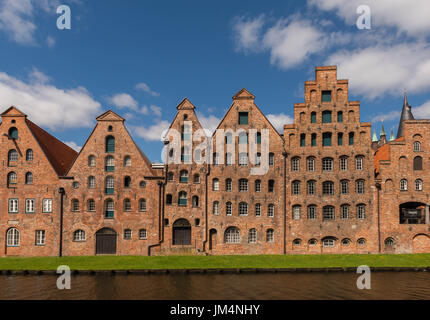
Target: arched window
x,y
359,160
326,116
109,164
311,187
327,164
417,146
110,144
295,187
169,199
215,184
257,185
270,235
328,213
312,242
91,182
28,178
12,155
12,178
243,209
228,209
344,187
195,201
361,242
310,163
12,237
312,212
183,176
75,205
228,138
228,184
257,209
389,242
344,211
182,199
110,185
127,182
143,234
271,159
418,163
13,133
91,161
328,188
243,138
142,205
359,186
418,185
196,178
271,210
109,209
232,235
252,237
91,205
346,242
127,204
329,242
295,164
79,235
297,212
29,155
228,159
271,186
361,211
403,185
343,163
127,161
215,208
243,185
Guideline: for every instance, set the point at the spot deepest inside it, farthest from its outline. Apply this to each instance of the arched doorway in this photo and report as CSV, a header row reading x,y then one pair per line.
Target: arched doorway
x,y
182,232
212,238
421,243
106,241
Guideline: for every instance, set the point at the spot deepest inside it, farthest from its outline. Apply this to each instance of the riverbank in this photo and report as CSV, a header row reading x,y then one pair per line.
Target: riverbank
x,y
100,263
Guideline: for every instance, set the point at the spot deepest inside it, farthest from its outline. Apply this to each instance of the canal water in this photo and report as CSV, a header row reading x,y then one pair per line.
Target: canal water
x,y
280,286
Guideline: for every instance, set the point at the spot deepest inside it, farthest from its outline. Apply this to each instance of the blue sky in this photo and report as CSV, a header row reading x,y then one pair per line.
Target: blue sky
x,y
141,58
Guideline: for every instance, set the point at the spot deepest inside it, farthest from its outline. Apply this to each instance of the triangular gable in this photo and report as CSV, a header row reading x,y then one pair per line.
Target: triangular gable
x,y
185,105
110,116
13,112
243,94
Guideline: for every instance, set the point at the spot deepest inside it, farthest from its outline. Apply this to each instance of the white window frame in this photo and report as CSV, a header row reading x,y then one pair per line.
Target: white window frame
x,y
47,206
13,206
40,238
29,205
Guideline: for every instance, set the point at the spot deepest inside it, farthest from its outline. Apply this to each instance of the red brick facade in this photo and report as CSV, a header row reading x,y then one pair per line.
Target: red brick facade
x,y
320,187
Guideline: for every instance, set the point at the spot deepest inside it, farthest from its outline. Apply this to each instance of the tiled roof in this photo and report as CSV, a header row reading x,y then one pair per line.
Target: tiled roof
x,y
383,153
59,154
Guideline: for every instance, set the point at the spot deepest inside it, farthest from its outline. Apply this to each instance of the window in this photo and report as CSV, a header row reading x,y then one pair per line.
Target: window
x,y
243,117
303,140
13,205
257,209
271,186
313,242
232,235
326,117
252,237
329,243
183,176
215,184
195,201
228,159
127,161
243,159
311,164
314,140
327,164
110,185
343,163
361,242
11,178
228,185
340,117
340,139
186,132
182,199
169,199
91,161
143,234
344,211
326,139
389,242
359,186
311,187
47,206
75,205
258,159
313,117
243,185
12,156
258,137
228,138
109,209
257,185
243,209
215,209
403,185
271,210
359,163
312,212
170,176
28,178
110,129
346,242
12,237
417,146
270,235
215,158
127,234
13,133
228,209
29,155
110,144
328,213
110,164
295,164
91,182
295,187
418,185
243,138
271,159
29,206
91,205
344,187
418,163
185,154
297,242
351,138
142,205
361,211
297,212
196,179
127,182
326,96
40,238
328,188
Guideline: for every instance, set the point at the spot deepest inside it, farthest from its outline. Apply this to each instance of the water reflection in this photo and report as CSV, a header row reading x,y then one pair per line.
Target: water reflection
x,y
284,286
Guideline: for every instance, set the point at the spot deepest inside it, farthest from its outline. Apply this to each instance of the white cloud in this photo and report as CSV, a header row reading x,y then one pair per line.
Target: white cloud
x,y
279,120
48,105
50,41
375,71
37,76
390,116
248,33
144,87
209,123
411,17
123,100
153,132
152,109
74,146
423,111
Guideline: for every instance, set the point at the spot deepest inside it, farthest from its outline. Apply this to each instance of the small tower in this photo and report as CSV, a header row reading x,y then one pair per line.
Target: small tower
x,y
374,141
382,136
392,135
406,115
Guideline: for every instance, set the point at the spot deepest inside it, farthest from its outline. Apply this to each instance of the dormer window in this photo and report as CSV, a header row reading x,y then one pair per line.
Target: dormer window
x,y
326,96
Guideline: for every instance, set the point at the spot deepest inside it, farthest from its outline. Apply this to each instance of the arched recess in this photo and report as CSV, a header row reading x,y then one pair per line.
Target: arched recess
x,y
181,232
421,243
212,239
106,240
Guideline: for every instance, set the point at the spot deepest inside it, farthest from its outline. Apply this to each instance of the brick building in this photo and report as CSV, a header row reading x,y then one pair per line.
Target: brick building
x,y
322,186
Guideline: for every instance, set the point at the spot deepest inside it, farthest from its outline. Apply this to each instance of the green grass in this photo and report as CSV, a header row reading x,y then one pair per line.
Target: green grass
x,y
208,262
